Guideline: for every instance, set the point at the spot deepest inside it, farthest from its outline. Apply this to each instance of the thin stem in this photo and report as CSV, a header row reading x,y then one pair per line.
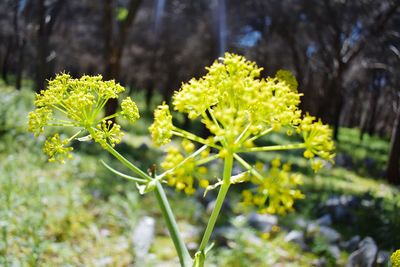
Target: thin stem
x,y
206,160
261,134
273,148
75,135
182,133
183,253
122,159
111,116
244,132
197,152
210,111
61,124
248,166
228,163
127,163
60,109
135,179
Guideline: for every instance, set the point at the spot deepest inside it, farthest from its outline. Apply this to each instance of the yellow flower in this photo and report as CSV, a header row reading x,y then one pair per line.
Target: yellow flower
x,y
108,133
56,149
317,139
237,106
79,103
277,192
38,119
161,129
184,176
395,258
130,110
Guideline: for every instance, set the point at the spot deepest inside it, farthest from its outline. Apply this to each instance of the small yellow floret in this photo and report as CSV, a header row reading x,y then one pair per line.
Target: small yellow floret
x,y
56,149
161,129
130,110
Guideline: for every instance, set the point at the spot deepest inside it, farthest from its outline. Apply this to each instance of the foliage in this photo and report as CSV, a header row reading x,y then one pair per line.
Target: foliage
x,y
49,219
12,103
246,247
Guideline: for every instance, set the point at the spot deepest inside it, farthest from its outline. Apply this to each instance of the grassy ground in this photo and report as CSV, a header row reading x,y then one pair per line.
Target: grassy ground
x,y
79,214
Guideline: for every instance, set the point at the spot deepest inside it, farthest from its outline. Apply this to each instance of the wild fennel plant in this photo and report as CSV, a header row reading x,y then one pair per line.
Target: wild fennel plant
x,y
231,101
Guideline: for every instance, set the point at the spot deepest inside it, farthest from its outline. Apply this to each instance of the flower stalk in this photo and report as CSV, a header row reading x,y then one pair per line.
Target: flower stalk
x,y
166,211
228,164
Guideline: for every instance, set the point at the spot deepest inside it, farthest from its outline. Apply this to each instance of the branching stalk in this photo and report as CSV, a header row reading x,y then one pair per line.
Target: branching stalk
x,y
273,148
183,253
228,164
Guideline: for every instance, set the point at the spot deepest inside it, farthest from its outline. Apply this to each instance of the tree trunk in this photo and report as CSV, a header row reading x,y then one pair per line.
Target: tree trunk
x,y
393,172
4,71
336,118
45,29
41,47
20,64
20,46
113,49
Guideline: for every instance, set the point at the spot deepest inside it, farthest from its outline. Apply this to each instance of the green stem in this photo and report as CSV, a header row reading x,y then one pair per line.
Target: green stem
x,y
228,164
135,179
193,155
206,160
182,133
248,167
183,253
273,148
260,134
127,163
110,117
210,111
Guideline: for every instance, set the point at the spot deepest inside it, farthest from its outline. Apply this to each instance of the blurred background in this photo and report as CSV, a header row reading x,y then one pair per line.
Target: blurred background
x,y
345,55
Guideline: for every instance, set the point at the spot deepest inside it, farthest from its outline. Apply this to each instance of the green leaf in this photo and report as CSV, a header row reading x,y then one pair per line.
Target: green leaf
x,y
122,13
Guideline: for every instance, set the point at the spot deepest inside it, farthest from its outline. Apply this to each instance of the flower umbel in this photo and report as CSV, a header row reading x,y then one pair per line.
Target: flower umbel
x,y
238,107
161,129
183,173
107,132
129,110
56,149
79,103
276,192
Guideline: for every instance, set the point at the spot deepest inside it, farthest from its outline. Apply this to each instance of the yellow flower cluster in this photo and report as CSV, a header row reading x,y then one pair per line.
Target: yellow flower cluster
x,y
161,129
108,133
275,193
395,258
183,176
237,100
79,103
238,106
129,110
317,138
55,148
38,120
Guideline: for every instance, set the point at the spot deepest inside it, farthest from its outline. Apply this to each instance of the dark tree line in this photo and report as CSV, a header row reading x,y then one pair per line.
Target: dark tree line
x,y
344,53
